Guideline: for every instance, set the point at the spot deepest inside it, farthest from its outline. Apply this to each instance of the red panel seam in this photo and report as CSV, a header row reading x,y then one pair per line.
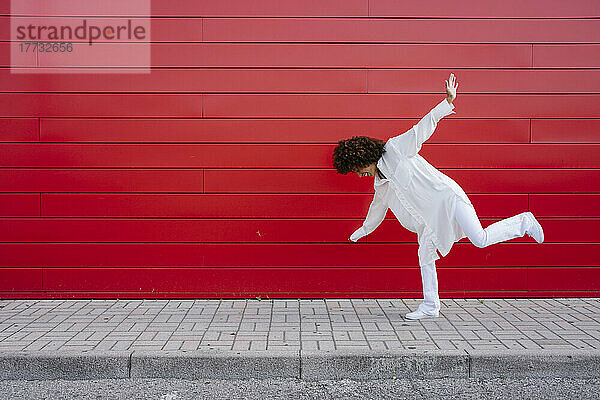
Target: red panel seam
x,y
529,194
202,113
532,63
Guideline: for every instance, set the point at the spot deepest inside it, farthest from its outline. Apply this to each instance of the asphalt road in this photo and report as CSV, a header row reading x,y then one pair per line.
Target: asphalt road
x,y
178,389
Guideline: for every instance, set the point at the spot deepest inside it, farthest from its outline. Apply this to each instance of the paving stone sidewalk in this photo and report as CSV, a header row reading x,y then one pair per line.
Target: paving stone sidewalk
x,y
298,324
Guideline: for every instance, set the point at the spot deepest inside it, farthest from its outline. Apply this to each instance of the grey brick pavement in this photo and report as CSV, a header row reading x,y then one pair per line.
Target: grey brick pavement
x,y
330,324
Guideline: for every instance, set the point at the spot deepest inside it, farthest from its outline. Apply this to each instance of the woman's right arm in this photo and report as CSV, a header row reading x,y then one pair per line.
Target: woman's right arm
x,y
375,216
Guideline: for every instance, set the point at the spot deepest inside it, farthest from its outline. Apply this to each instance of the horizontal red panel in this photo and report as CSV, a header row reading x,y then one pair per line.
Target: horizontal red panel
x,y
563,279
359,8
166,155
224,205
269,130
299,55
82,7
527,180
492,294
335,8
530,254
395,105
565,55
282,180
474,8
159,29
193,80
565,205
511,156
401,30
274,280
287,155
19,129
471,180
305,81
356,254
485,81
452,280
208,8
100,105
338,29
529,294
243,205
565,131
248,230
103,57
13,279
20,205
178,230
101,180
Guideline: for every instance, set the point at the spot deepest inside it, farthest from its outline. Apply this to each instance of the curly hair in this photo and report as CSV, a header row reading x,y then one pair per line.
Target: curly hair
x,y
358,152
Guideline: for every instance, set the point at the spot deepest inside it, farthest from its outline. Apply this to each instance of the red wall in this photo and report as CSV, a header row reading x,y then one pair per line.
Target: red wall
x,y
211,177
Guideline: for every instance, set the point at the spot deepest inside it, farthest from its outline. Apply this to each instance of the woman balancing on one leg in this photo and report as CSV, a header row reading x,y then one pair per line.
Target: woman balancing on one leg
x,y
423,199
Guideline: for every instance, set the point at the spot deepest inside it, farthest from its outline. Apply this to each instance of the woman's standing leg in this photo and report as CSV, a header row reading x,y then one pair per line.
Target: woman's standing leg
x,y
430,306
431,299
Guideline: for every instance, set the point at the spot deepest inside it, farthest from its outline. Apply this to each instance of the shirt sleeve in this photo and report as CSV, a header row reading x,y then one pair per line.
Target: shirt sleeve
x,y
375,215
410,142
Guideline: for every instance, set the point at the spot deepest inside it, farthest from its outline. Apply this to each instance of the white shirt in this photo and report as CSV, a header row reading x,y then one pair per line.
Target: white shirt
x,y
421,197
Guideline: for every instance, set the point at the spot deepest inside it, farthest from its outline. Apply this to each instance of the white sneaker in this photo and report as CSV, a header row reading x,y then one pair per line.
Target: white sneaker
x,y
418,314
535,230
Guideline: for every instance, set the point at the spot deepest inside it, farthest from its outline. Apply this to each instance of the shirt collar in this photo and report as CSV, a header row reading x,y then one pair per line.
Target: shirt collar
x,y
380,181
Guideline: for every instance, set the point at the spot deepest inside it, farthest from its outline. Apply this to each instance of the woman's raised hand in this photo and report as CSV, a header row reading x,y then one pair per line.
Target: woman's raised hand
x,y
451,86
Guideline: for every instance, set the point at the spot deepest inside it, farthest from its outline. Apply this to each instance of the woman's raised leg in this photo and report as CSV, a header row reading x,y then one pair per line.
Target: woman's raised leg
x,y
506,229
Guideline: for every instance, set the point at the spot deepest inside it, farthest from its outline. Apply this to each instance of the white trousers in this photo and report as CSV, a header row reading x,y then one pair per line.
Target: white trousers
x,y
506,229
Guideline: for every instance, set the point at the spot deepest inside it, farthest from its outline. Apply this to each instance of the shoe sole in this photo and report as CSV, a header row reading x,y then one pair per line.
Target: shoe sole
x,y
537,224
425,316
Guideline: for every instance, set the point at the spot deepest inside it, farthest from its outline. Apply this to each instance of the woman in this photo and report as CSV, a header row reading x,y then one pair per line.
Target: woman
x,y
422,198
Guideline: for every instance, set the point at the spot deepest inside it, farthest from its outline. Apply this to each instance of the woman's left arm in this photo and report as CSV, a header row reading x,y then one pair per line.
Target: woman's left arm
x,y
410,142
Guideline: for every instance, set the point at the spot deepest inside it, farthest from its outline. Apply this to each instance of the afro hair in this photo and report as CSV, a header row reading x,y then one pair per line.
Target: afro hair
x,y
358,152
